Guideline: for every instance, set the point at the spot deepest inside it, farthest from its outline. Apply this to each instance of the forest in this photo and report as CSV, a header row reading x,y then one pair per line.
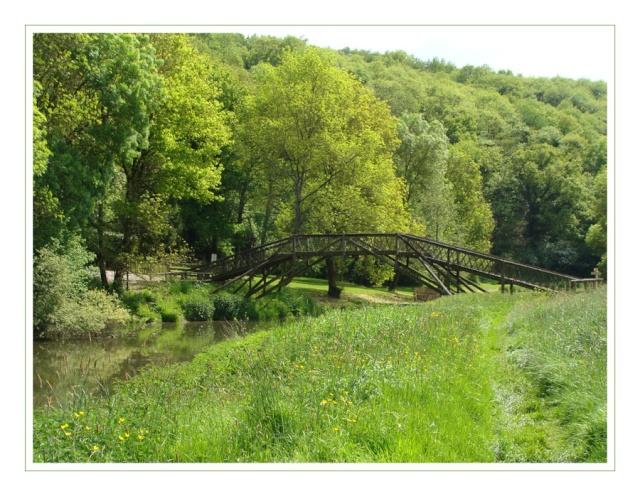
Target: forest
x,y
158,148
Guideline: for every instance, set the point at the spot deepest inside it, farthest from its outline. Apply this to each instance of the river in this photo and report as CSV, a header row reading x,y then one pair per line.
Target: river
x,y
65,370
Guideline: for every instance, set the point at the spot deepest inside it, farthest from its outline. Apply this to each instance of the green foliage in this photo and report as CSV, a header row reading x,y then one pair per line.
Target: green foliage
x,y
228,306
198,308
562,349
62,303
438,382
190,127
474,222
169,311
495,117
371,271
328,142
155,146
142,304
596,236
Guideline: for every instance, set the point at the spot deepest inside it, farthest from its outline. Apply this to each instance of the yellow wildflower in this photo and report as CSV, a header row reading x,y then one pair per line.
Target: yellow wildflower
x,y
140,437
126,435
78,414
121,438
121,420
324,402
87,428
64,426
95,448
336,429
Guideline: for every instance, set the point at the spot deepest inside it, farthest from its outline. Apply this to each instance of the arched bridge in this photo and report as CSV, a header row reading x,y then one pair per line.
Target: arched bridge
x,y
442,267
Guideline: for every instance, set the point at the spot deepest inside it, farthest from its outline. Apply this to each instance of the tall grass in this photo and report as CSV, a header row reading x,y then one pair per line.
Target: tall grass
x,y
560,402
378,384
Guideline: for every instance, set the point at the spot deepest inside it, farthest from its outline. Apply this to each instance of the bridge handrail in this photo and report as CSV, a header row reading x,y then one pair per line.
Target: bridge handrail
x,y
514,270
487,256
246,253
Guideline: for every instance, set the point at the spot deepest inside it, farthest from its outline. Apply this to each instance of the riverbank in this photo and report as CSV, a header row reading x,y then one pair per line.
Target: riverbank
x,y
470,378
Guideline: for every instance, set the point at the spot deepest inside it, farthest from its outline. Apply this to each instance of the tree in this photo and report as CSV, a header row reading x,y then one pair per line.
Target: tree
x,y
421,161
473,220
181,158
320,132
97,92
328,142
596,237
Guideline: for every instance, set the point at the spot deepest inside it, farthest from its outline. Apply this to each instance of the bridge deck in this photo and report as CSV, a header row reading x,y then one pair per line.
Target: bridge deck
x,y
433,263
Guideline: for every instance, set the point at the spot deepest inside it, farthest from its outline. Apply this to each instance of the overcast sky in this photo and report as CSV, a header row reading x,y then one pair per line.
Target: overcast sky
x,y
568,51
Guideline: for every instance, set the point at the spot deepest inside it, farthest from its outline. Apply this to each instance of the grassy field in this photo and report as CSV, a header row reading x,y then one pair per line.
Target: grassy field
x,y
470,378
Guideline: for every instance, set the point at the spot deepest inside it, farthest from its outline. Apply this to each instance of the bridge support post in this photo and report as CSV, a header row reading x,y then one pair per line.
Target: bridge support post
x,y
332,278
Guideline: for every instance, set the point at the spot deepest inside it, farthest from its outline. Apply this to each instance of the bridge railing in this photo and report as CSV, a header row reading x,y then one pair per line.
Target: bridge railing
x,y
247,258
486,264
446,255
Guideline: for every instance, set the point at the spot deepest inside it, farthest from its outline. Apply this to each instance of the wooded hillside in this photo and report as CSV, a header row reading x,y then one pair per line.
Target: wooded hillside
x,y
149,147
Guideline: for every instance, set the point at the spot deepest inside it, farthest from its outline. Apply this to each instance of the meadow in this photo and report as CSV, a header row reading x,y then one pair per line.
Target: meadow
x,y
469,378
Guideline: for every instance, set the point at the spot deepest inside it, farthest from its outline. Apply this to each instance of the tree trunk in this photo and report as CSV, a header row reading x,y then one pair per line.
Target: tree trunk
x,y
101,249
267,215
103,272
393,285
332,278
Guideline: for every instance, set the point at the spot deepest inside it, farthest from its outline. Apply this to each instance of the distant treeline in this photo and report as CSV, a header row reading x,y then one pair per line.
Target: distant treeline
x,y
150,147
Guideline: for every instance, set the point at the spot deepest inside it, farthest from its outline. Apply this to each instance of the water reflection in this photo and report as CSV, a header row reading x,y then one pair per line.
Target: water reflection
x,y
66,370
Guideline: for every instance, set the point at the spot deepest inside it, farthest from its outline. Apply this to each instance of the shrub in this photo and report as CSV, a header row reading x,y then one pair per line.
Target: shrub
x,y
228,306
60,273
134,300
272,309
90,313
169,311
198,308
298,304
182,287
63,304
148,312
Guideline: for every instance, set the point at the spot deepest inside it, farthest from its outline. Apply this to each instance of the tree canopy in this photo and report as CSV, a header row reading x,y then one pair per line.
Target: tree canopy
x,y
151,146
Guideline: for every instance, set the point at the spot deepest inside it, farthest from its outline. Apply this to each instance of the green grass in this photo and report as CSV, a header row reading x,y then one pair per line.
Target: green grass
x,y
196,301
557,355
437,382
352,294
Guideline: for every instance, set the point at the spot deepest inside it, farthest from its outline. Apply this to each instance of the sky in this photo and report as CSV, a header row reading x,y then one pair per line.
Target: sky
x,y
568,51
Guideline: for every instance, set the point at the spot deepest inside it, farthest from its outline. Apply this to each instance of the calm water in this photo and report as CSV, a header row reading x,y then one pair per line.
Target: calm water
x,y
64,370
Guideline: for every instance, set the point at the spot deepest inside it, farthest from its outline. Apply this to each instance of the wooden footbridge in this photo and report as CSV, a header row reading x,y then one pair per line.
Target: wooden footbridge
x,y
442,267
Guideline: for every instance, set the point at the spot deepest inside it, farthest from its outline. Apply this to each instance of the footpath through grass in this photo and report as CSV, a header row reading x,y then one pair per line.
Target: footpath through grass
x,y
472,378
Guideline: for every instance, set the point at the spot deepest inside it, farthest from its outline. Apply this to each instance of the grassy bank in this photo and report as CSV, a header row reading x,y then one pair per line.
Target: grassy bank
x,y
554,392
458,379
194,301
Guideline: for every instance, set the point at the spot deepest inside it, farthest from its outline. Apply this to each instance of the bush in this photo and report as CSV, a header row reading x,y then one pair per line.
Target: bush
x,y
229,306
63,304
283,304
134,300
60,273
91,313
182,287
169,311
198,308
148,312
272,309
